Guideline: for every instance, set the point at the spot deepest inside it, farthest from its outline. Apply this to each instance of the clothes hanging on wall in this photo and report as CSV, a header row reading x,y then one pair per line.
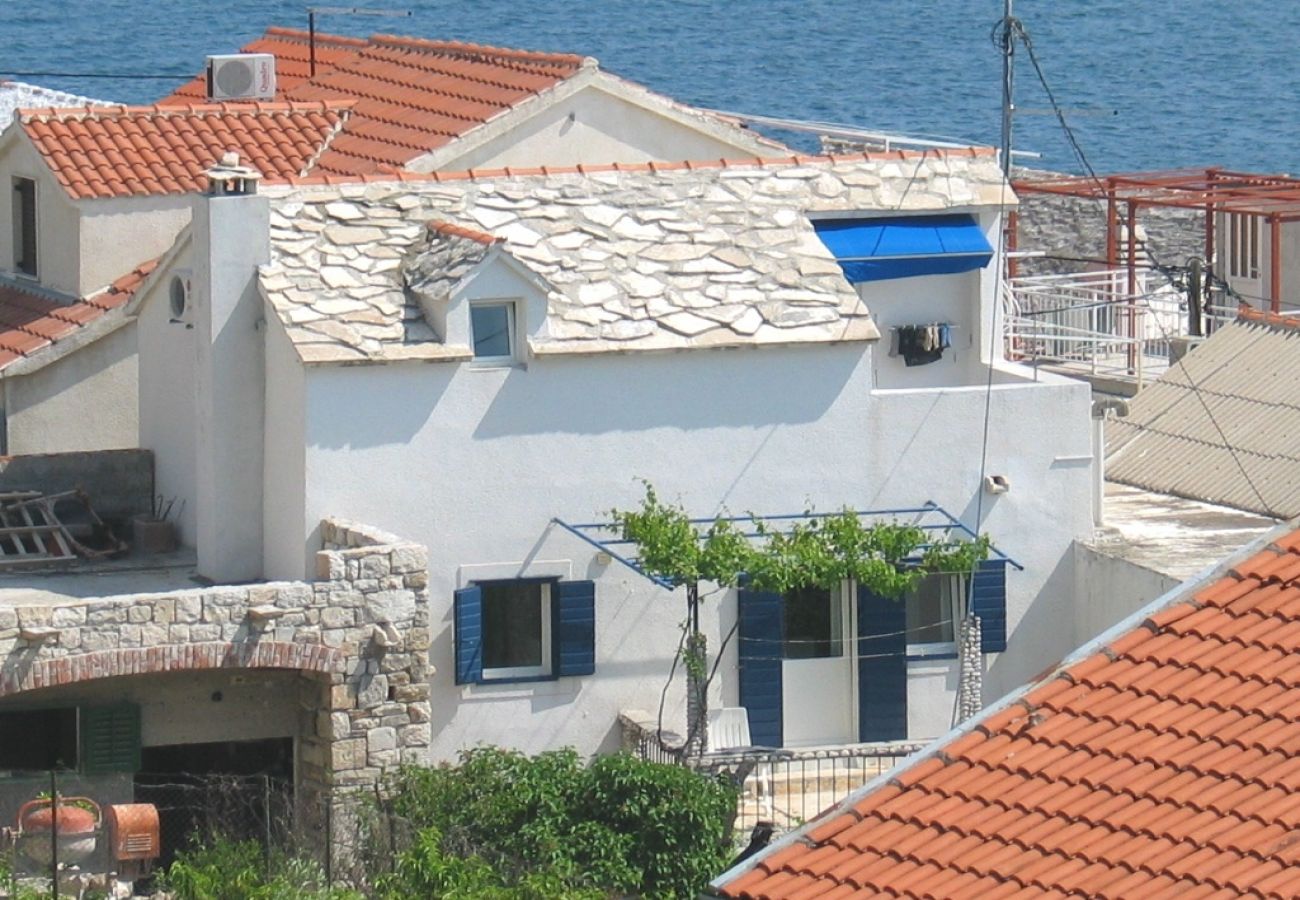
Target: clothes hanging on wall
x,y
922,344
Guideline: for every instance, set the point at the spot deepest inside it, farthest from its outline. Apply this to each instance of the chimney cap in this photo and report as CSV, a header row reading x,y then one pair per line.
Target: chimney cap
x,y
229,177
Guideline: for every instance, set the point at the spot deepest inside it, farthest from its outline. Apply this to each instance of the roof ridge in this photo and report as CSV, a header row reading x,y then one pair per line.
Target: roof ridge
x,y
773,162
451,229
1264,317
472,49
119,110
299,34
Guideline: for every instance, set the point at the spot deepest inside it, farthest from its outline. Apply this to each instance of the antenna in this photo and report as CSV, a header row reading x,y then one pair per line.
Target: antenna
x,y
342,11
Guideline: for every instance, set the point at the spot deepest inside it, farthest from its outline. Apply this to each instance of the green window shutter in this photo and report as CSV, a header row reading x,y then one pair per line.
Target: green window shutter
x,y
110,739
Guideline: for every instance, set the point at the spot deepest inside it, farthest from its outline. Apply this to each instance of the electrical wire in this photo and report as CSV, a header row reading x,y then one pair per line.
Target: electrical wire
x,y
1017,31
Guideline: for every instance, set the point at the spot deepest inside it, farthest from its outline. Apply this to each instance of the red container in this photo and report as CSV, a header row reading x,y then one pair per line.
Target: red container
x,y
42,815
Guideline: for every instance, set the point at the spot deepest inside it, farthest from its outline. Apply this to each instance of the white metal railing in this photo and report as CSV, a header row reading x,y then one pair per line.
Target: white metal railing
x,y
1092,322
786,787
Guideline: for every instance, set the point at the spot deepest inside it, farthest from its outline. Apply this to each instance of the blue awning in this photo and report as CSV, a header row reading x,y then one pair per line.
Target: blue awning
x,y
901,247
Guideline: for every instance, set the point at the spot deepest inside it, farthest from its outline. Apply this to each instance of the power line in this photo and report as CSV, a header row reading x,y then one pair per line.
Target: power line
x,y
112,76
1016,27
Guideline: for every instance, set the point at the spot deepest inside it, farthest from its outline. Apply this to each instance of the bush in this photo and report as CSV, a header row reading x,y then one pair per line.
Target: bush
x,y
225,869
506,825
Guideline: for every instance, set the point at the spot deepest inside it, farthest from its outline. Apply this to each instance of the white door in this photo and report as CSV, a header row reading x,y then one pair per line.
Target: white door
x,y
818,684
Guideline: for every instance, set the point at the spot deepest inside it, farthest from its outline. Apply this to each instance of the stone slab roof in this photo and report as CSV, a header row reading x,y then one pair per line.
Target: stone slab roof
x,y
1157,761
16,95
645,257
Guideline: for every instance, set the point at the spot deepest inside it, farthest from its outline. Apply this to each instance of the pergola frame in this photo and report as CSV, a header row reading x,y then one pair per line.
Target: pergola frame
x,y
1274,198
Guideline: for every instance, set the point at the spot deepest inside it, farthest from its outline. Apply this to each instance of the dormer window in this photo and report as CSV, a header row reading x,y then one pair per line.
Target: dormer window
x,y
492,331
24,222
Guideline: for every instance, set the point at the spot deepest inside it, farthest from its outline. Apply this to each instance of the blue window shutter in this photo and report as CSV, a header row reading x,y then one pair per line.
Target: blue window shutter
x,y
574,612
988,600
468,615
762,626
882,668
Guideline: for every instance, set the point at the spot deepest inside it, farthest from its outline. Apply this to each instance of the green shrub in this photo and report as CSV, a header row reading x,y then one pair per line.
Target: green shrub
x,y
224,869
549,827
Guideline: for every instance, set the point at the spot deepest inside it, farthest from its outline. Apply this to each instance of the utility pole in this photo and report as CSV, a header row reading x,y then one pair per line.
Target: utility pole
x,y
1008,84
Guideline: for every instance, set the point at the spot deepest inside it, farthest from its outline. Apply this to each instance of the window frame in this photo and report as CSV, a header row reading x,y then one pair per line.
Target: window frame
x,y
1243,246
954,591
17,222
512,325
543,672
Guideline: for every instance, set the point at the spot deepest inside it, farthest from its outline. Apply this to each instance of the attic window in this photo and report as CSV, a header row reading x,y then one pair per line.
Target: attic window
x,y
492,329
24,222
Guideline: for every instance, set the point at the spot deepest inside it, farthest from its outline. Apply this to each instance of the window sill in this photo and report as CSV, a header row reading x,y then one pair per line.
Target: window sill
x,y
521,689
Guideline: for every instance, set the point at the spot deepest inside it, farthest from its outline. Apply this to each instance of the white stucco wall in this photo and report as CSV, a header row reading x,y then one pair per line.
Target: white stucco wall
x,y
58,248
86,400
119,234
284,455
1108,588
591,126
475,463
167,399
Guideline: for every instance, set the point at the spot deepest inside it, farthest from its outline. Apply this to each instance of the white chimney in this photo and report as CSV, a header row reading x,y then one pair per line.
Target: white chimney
x,y
231,235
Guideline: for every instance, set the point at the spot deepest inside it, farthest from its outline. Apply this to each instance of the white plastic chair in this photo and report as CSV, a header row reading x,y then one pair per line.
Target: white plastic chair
x,y
729,732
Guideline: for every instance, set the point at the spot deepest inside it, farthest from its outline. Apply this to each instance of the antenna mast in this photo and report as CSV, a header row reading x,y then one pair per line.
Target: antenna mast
x,y
1008,83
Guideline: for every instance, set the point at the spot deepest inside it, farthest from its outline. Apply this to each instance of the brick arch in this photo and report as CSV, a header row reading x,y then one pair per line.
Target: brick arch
x,y
93,665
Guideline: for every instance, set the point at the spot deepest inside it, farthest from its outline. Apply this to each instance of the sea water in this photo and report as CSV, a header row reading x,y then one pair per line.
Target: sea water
x,y
1144,83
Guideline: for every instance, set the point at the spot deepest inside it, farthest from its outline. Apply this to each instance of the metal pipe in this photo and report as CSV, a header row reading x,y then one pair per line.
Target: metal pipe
x,y
1275,263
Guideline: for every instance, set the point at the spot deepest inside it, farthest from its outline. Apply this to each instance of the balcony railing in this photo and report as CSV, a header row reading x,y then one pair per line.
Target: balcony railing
x,y
786,787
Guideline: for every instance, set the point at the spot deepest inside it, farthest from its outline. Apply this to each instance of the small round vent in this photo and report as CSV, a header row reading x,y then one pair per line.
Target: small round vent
x,y
180,296
234,78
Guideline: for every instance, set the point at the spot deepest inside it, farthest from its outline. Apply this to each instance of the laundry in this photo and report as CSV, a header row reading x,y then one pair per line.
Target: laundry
x,y
922,344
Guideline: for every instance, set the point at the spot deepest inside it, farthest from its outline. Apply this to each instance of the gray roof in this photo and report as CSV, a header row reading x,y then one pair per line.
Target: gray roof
x,y
629,258
16,95
1222,426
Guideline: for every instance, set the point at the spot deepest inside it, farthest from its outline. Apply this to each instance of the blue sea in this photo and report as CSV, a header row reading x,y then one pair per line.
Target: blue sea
x,y
1145,83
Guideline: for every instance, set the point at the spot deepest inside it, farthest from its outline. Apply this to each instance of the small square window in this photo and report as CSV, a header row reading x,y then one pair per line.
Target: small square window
x,y
492,327
932,616
516,629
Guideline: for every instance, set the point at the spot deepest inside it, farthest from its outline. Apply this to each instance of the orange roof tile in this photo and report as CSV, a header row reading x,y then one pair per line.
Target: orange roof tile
x,y
1167,764
412,96
119,151
30,322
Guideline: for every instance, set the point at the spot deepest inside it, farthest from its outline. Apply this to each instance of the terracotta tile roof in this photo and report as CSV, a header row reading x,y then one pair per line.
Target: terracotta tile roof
x,y
119,151
30,322
292,61
1161,762
412,96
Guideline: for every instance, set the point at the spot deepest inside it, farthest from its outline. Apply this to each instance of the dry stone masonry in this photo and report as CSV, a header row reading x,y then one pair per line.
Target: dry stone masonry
x,y
629,259
359,636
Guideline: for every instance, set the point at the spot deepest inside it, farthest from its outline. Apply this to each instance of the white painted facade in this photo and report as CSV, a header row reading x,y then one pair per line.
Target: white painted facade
x,y
1244,258
476,461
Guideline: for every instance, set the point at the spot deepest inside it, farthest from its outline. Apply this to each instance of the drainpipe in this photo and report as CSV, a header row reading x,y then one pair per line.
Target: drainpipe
x,y
1103,409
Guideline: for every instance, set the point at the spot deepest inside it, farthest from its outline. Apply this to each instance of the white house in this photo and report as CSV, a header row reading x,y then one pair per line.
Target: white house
x,y
467,358
93,193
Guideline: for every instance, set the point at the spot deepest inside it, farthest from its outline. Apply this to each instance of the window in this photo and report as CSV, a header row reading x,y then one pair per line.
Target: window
x,y
24,222
1243,246
38,739
932,614
492,330
516,629
814,623
524,630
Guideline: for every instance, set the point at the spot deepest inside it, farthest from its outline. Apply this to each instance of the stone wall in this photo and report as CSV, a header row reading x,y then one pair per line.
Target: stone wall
x,y
358,635
1075,227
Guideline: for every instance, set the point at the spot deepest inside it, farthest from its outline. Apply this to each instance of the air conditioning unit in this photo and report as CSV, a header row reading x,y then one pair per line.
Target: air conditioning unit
x,y
242,76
